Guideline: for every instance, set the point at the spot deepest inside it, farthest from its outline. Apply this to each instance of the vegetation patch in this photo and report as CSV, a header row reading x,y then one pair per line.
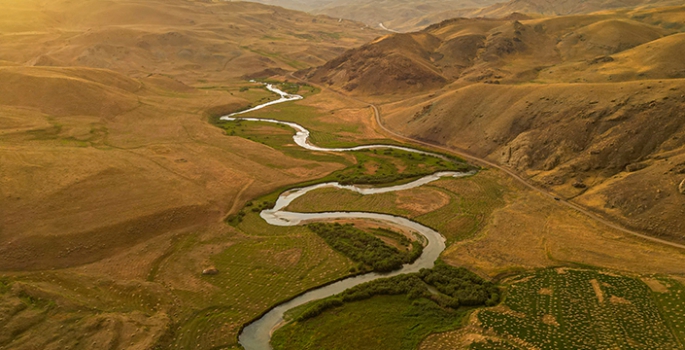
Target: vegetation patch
x,y
5,285
384,322
447,286
395,313
373,167
391,165
365,248
471,201
303,89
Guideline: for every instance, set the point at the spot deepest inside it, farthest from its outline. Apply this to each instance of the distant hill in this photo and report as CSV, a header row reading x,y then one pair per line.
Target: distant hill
x,y
412,15
586,105
544,8
182,38
562,7
398,15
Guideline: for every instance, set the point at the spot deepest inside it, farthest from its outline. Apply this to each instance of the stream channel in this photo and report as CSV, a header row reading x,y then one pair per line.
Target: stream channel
x,y
257,335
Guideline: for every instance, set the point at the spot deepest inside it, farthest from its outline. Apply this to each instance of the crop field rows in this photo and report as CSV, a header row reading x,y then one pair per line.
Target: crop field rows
x,y
670,295
583,309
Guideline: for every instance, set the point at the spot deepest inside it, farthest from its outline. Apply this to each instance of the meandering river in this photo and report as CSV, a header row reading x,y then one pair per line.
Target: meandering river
x,y
257,335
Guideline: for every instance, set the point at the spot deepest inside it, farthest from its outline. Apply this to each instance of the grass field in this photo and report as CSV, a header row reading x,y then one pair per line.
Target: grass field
x,y
392,313
382,322
256,273
457,208
586,309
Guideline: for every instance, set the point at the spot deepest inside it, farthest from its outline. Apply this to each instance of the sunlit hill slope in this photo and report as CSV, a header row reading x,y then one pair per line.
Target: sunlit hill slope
x,y
588,105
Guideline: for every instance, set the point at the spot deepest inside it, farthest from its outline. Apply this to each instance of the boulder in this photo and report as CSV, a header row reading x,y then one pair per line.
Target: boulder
x,y
681,188
210,271
579,184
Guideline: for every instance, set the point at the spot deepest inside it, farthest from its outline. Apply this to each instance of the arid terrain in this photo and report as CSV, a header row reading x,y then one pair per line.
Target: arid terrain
x,y
403,15
586,106
414,15
130,213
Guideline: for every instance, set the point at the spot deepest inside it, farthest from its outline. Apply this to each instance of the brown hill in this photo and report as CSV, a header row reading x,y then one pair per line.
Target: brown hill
x,y
402,61
587,106
183,38
561,8
397,15
102,111
109,162
603,47
407,63
69,91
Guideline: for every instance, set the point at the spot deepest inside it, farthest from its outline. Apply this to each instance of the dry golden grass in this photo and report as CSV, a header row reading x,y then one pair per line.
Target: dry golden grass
x,y
190,40
624,140
531,231
113,176
525,231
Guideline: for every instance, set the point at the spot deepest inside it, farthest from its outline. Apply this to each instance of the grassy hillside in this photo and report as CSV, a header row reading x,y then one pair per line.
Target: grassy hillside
x,y
412,15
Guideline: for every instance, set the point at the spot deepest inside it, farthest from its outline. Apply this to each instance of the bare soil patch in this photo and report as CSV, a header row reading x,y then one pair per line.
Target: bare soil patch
x,y
598,290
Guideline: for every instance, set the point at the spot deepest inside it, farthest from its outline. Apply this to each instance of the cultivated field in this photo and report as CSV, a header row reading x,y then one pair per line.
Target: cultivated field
x,y
566,308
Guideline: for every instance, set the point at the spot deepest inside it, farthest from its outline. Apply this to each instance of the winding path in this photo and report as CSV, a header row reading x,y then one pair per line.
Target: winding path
x,y
257,335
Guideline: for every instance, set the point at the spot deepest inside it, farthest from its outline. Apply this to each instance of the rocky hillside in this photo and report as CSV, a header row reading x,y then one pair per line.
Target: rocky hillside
x,y
588,106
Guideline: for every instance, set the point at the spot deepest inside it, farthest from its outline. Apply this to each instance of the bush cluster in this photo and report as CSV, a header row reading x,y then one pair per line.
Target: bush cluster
x,y
365,248
238,217
456,286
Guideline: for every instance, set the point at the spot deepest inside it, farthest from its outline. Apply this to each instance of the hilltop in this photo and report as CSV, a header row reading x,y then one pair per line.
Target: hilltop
x,y
562,8
586,105
540,8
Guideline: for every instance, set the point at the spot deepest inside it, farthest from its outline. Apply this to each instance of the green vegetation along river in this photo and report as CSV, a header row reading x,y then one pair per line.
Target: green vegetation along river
x,y
257,335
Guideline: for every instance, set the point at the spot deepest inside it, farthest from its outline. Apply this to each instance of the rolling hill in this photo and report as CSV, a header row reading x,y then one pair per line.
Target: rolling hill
x,y
564,7
587,106
109,160
408,15
397,15
197,40
118,190
84,80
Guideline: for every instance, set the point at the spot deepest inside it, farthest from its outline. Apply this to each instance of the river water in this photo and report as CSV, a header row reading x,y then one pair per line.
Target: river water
x,y
257,335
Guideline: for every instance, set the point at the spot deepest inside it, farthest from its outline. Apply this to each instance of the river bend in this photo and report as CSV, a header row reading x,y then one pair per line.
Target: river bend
x,y
257,335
